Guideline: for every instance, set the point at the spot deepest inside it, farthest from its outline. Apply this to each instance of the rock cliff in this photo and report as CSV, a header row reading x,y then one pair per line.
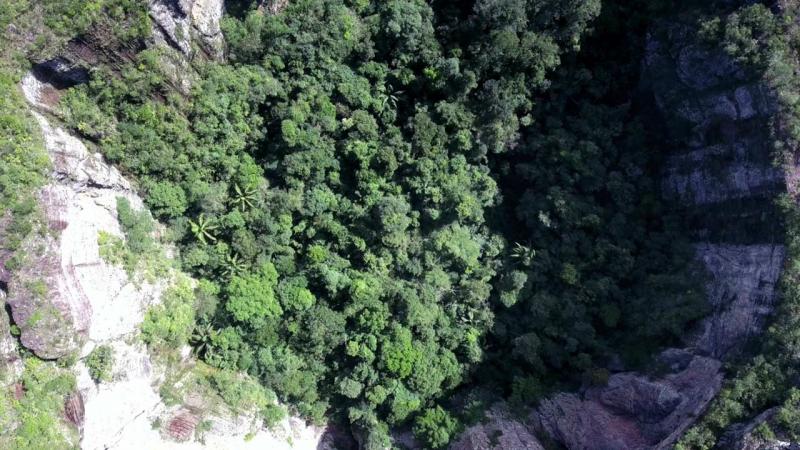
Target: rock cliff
x,y
715,118
182,23
66,300
51,296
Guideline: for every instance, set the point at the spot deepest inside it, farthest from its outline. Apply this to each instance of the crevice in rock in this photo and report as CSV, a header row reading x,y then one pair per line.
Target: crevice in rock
x,y
168,37
9,316
60,73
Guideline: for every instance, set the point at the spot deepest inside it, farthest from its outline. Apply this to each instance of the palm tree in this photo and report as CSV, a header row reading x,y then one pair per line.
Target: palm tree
x,y
523,254
202,338
203,228
244,198
391,97
233,265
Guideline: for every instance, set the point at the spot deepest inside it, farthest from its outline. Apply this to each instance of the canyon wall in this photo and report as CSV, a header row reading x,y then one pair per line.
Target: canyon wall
x,y
715,118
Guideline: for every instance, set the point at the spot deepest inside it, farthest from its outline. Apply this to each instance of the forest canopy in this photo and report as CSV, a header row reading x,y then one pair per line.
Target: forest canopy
x,y
388,202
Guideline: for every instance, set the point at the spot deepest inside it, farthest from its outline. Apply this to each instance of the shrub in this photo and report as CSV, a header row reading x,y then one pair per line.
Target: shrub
x,y
100,363
435,427
170,324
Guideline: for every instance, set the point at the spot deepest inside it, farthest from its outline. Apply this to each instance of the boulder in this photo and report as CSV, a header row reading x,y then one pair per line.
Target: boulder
x,y
74,409
632,411
498,430
181,426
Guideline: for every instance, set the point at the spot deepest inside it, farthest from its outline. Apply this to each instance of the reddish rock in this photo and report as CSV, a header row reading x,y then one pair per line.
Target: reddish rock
x,y
181,426
19,391
74,410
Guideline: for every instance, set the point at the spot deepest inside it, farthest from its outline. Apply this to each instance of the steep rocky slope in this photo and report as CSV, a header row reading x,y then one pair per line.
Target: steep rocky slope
x,y
720,170
99,303
67,300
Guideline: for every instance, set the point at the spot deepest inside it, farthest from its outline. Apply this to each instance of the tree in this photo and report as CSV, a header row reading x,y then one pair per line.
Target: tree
x,y
166,199
435,427
203,229
244,197
170,324
202,338
100,362
251,298
399,354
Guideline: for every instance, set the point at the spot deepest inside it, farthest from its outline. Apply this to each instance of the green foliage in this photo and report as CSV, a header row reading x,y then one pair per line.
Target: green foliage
x,y
788,417
139,253
251,298
764,432
86,115
750,34
347,187
100,363
137,227
125,19
435,427
166,199
35,420
23,168
243,394
113,250
399,354
170,324
11,10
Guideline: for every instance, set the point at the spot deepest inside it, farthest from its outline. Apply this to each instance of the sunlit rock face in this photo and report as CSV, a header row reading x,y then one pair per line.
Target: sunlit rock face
x,y
50,296
180,23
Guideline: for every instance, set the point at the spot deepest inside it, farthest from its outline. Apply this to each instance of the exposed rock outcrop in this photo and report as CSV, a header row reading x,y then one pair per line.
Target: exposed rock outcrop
x,y
717,113
717,123
10,362
51,295
179,23
181,426
716,120
74,409
634,411
741,292
97,301
498,430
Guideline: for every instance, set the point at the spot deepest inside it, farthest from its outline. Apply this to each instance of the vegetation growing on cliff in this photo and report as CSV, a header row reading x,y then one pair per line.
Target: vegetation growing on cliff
x,y
100,363
23,166
385,202
30,413
383,197
767,44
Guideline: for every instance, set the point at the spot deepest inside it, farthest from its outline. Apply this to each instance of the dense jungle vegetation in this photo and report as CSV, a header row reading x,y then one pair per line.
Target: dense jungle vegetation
x,y
390,205
391,200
